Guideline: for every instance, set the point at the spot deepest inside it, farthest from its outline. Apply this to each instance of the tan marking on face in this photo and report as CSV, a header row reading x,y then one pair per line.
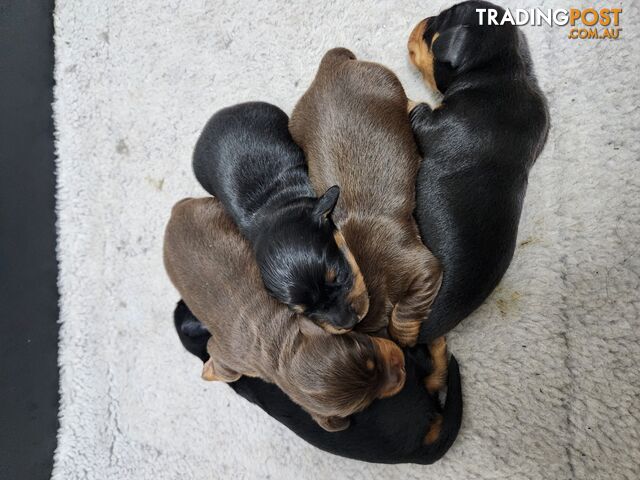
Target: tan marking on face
x,y
358,296
392,358
420,53
330,275
434,431
436,380
370,364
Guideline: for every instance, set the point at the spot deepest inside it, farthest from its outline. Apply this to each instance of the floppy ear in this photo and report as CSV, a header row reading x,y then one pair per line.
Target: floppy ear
x,y
332,424
466,46
310,329
451,45
327,202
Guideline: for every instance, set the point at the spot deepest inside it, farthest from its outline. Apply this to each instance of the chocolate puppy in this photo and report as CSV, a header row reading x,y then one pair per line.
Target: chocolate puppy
x,y
330,376
477,149
408,427
246,158
353,126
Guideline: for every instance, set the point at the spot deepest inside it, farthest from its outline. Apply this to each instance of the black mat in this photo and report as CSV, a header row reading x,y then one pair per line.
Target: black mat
x,y
28,268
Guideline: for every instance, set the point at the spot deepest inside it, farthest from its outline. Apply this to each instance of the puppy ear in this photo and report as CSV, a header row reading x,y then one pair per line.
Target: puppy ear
x,y
450,46
332,424
466,46
310,329
327,202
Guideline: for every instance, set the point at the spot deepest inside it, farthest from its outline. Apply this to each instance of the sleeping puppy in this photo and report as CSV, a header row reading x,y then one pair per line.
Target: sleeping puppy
x,y
246,158
353,127
329,376
477,149
408,427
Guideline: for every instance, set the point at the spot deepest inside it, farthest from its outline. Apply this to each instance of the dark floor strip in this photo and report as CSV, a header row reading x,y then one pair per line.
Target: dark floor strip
x,y
28,268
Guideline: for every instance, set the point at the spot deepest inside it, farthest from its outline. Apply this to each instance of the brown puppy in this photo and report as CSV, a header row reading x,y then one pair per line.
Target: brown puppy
x,y
213,268
353,126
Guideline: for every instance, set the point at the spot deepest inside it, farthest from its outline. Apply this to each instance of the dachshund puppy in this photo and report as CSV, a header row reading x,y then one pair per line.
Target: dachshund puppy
x,y
408,427
353,126
477,148
329,376
246,158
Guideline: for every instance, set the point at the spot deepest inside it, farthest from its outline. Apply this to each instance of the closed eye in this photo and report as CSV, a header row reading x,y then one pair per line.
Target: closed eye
x,y
343,278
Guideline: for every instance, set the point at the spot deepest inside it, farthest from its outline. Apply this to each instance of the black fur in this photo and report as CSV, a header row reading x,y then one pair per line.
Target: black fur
x,y
388,431
246,158
477,151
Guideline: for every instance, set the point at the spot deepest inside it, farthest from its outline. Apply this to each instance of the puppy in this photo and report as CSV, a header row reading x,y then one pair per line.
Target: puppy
x,y
246,158
408,427
353,127
477,149
330,376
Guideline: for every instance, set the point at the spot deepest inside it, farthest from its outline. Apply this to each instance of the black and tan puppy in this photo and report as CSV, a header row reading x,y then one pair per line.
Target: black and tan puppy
x,y
477,149
408,427
329,376
353,127
246,158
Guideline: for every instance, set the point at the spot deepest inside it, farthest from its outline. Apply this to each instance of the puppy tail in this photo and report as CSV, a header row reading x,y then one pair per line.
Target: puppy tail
x,y
451,417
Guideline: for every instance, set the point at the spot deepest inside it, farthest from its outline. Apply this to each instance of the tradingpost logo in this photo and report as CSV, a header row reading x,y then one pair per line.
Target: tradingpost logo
x,y
584,23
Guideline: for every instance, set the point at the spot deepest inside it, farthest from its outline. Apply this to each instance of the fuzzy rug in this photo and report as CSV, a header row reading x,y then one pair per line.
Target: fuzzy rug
x,y
549,363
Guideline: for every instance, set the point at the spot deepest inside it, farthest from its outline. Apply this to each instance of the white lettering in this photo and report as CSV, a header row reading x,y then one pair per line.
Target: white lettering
x,y
541,16
492,16
561,16
522,16
507,17
527,16
481,12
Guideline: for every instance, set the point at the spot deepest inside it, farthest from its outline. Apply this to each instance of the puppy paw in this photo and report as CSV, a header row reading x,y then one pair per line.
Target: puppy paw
x,y
212,374
418,113
404,332
332,424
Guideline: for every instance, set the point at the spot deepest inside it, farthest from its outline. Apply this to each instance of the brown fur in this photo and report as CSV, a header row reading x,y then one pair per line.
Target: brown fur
x,y
358,295
353,126
434,430
435,382
437,379
214,270
420,53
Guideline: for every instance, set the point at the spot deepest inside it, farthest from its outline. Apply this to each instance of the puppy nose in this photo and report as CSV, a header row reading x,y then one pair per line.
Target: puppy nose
x,y
350,320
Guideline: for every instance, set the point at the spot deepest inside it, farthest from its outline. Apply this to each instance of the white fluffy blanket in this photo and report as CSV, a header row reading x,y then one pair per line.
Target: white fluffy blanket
x,y
550,362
